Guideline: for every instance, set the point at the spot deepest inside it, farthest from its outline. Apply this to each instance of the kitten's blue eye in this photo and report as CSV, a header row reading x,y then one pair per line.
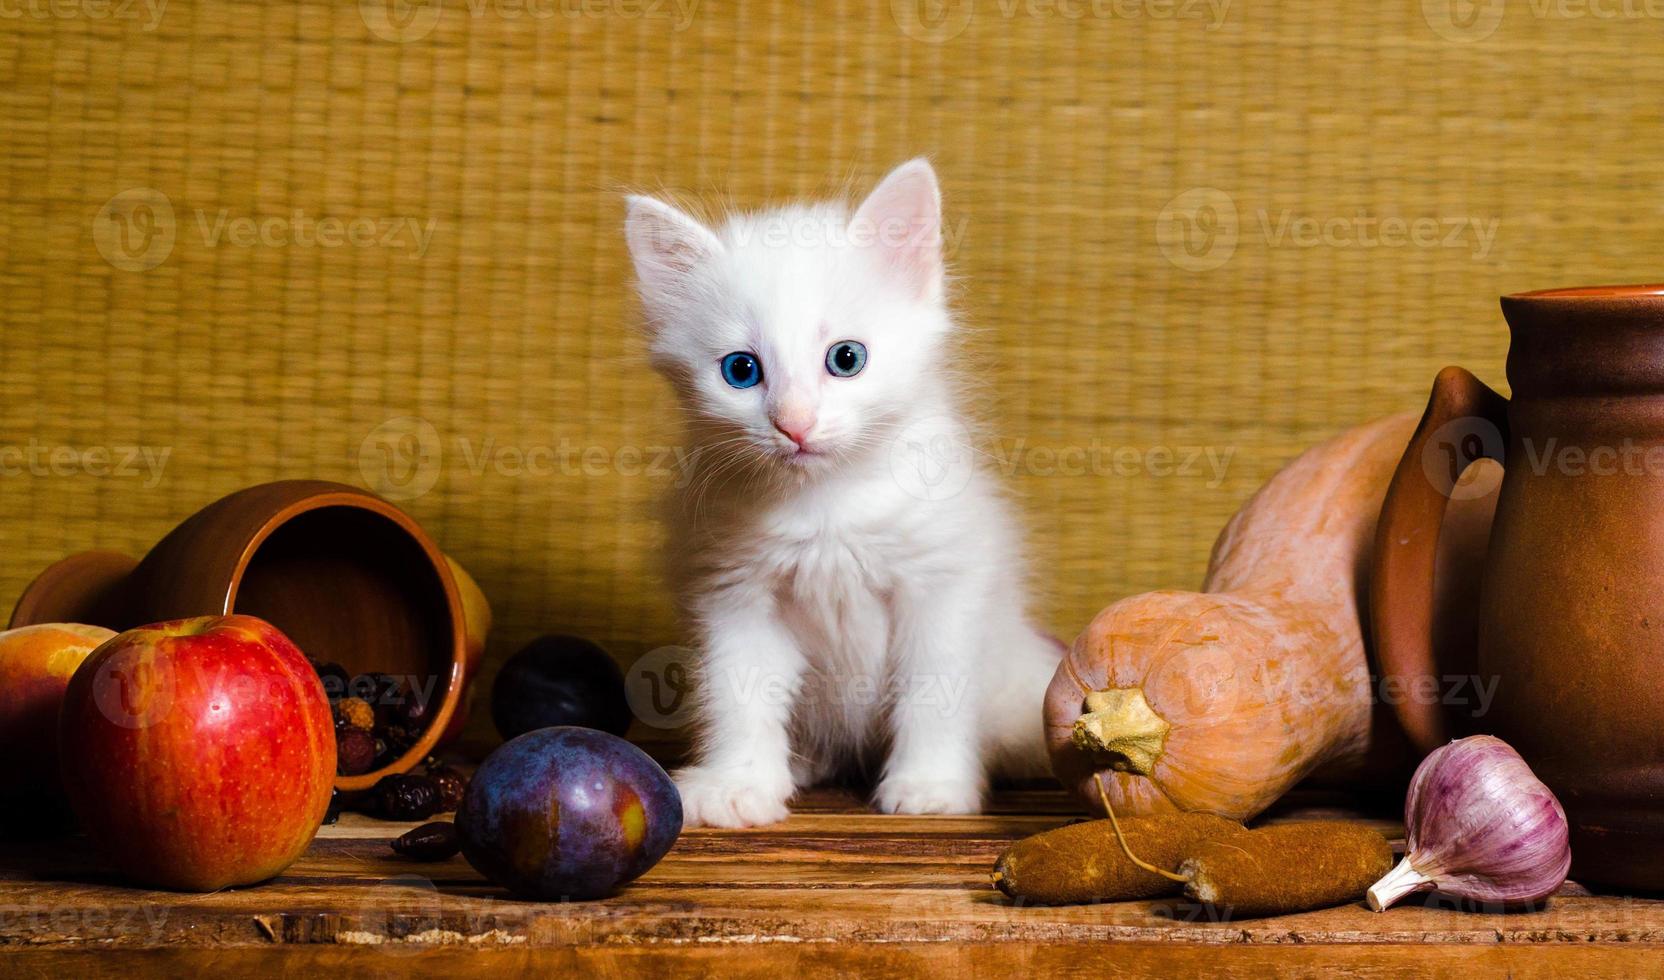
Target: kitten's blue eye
x,y
846,358
741,370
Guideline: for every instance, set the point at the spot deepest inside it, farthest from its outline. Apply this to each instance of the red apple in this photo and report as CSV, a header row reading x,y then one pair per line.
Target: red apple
x,y
199,753
36,663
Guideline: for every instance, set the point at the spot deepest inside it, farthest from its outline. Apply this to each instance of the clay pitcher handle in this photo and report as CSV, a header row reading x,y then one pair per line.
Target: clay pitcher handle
x,y
1464,422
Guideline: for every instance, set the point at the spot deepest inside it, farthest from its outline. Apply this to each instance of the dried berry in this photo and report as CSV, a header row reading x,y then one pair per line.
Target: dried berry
x,y
452,786
355,752
399,738
430,842
385,755
354,713
407,797
400,704
333,814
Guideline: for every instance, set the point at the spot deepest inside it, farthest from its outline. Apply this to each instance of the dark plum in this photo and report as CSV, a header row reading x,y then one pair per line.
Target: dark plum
x,y
559,680
567,813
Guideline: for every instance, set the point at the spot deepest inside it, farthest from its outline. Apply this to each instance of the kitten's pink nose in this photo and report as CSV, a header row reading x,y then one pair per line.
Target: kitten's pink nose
x,y
795,425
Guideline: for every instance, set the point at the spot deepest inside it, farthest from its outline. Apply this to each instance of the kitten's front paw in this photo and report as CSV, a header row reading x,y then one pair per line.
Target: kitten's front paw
x,y
904,794
730,798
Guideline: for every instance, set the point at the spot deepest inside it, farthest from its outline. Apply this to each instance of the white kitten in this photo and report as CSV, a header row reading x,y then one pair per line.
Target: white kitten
x,y
855,581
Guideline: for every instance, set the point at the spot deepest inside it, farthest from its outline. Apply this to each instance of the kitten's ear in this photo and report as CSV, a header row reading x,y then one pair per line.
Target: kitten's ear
x,y
666,244
903,217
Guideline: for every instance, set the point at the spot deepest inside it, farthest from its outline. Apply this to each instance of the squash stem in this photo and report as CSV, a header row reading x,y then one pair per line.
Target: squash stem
x,y
1119,727
1121,838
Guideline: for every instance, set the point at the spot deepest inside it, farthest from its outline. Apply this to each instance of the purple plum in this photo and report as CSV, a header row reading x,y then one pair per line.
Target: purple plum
x,y
559,680
568,813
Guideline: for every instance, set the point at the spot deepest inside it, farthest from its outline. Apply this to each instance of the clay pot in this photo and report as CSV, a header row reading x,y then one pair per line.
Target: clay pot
x,y
1571,609
345,574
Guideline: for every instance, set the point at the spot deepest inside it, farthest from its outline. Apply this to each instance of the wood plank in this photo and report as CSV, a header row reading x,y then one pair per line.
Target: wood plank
x,y
834,884
1088,961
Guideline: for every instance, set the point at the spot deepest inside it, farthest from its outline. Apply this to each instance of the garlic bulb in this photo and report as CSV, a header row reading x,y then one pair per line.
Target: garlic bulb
x,y
1481,826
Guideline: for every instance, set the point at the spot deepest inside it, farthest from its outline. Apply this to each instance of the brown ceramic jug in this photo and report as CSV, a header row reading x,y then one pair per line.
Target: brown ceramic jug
x,y
1571,612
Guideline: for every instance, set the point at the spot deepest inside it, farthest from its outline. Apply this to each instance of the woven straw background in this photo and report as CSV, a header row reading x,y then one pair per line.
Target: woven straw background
x,y
1086,150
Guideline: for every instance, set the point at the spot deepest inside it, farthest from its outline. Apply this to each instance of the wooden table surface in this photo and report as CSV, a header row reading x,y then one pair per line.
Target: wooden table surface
x,y
834,889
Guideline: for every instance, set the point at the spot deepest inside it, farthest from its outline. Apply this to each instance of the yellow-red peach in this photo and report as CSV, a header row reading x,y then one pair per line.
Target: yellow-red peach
x,y
36,663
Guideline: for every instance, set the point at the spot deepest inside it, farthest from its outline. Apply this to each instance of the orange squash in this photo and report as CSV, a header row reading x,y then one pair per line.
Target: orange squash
x,y
1221,700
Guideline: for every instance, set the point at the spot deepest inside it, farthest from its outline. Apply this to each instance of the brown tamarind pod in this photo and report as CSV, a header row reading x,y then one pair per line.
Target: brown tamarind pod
x,y
1284,868
1084,862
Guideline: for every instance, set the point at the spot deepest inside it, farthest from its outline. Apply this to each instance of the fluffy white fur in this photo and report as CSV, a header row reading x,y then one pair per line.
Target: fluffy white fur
x,y
854,580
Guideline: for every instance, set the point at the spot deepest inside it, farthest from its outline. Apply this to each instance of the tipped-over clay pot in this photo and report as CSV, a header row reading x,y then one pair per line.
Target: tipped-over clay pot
x,y
350,578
